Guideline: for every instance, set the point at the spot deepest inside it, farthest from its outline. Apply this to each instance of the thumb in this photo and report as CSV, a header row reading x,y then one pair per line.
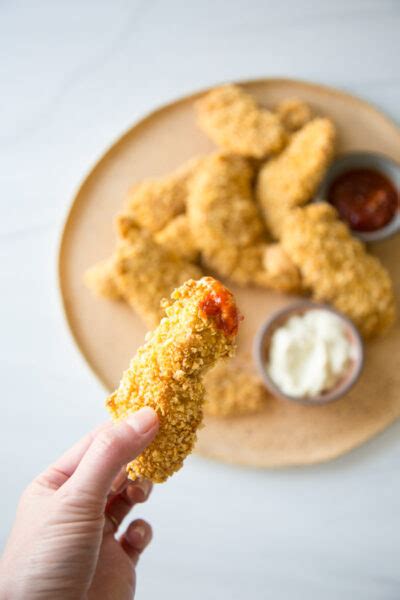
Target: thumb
x,y
110,450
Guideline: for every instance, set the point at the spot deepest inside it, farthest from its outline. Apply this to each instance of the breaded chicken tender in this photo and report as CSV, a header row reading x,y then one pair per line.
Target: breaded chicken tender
x,y
293,177
178,237
228,227
233,391
337,269
145,273
100,279
234,121
154,202
166,374
278,271
293,113
224,185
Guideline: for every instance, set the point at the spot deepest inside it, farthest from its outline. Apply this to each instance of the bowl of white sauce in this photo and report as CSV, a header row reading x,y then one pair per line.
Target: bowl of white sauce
x,y
309,353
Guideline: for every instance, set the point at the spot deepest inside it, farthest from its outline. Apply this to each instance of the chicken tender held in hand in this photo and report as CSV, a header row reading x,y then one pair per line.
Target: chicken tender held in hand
x,y
166,374
228,227
177,237
293,113
154,202
337,269
234,121
145,273
292,178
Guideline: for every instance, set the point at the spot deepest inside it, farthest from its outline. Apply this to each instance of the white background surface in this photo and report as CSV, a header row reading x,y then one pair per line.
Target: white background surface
x,y
75,74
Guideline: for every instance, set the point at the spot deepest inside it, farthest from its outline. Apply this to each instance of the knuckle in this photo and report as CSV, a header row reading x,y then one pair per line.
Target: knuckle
x,y
108,442
79,507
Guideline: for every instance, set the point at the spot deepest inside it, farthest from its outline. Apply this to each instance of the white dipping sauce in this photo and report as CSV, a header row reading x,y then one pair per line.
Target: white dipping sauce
x,y
309,353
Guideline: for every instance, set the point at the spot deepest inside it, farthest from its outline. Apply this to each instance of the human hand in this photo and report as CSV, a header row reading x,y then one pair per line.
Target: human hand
x,y
63,542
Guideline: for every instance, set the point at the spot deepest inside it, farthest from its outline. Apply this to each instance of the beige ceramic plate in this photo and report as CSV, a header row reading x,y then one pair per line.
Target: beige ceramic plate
x,y
108,333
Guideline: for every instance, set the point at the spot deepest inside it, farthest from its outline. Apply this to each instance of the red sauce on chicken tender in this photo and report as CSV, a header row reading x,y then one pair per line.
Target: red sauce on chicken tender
x,y
219,304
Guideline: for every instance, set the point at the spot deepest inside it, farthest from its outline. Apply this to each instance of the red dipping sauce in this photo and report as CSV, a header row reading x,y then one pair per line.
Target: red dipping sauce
x,y
365,198
219,304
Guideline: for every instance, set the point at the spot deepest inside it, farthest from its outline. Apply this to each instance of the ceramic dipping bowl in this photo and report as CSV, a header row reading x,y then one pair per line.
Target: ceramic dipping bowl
x,y
365,160
262,345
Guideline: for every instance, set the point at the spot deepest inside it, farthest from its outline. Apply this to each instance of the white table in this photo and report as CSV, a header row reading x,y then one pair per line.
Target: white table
x,y
75,74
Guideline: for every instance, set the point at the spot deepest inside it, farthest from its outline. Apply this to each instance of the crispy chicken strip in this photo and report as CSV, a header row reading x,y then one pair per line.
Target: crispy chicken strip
x,y
278,271
154,202
100,279
200,327
233,391
337,268
228,227
293,177
293,113
145,273
177,237
234,121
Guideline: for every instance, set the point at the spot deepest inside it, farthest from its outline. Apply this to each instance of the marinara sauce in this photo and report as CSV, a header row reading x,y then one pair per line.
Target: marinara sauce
x,y
365,198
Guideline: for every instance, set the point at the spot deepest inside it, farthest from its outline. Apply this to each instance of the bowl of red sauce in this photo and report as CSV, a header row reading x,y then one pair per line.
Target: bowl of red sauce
x,y
364,187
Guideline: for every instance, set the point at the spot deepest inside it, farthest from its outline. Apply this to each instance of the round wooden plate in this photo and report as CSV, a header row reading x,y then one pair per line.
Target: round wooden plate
x,y
108,333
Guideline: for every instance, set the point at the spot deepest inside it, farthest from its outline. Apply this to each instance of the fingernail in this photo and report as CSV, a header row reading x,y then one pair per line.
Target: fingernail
x,y
119,482
139,490
143,420
137,536
117,488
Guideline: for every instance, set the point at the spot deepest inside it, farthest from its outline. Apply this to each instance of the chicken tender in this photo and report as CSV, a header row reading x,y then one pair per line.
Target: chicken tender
x,y
337,268
228,227
278,270
293,113
177,237
100,279
233,391
234,121
221,200
154,202
293,177
145,273
166,374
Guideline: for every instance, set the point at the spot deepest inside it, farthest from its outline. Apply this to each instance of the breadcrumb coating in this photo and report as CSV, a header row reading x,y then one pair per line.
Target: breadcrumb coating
x,y
166,374
233,391
337,268
145,273
234,121
177,237
100,279
229,230
292,178
278,270
221,200
293,113
154,202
